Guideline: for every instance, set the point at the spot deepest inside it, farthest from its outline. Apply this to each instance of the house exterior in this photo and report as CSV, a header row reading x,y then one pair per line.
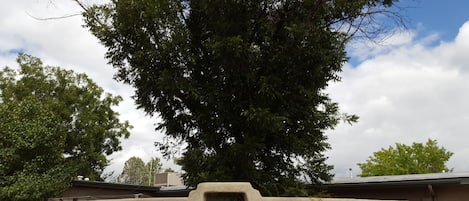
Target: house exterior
x,y
166,185
416,187
224,191
91,190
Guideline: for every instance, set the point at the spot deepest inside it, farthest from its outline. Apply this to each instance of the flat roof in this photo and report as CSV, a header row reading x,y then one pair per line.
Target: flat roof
x,y
99,184
412,179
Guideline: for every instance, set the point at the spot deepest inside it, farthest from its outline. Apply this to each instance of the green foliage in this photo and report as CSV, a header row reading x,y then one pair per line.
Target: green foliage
x,y
133,172
30,151
152,167
240,82
54,125
138,173
168,170
418,158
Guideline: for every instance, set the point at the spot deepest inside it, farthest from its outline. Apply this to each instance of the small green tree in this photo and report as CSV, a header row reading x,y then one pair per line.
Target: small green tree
x,y
152,167
138,173
133,172
418,158
54,125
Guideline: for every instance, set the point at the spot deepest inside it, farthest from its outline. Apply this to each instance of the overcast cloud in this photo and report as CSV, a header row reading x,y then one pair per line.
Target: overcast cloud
x,y
406,90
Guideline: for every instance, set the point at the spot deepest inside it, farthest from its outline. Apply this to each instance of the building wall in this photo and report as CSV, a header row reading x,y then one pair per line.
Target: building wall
x,y
448,192
452,192
168,179
91,190
161,179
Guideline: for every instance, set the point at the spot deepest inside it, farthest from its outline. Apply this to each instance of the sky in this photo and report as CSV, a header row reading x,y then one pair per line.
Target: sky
x,y
410,87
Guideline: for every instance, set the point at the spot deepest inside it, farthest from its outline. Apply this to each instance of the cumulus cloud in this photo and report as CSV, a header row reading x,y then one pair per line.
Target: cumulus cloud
x,y
409,93
364,48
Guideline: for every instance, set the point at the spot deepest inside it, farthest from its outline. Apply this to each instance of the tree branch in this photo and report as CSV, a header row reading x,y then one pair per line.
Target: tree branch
x,y
53,18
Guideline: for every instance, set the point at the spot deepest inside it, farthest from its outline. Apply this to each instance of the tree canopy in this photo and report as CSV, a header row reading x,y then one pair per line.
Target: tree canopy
x,y
418,158
239,83
138,173
54,125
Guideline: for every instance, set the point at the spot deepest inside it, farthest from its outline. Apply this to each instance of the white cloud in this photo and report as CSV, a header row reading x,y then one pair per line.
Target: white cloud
x,y
408,93
364,49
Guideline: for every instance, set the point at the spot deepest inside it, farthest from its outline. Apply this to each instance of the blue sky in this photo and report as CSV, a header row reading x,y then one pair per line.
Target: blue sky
x,y
431,17
412,87
436,16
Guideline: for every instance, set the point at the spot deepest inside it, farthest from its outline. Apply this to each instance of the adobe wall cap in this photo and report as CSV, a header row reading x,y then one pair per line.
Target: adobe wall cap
x,y
250,193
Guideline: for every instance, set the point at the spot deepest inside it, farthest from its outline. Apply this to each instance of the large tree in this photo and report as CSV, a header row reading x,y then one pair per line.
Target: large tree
x,y
54,125
239,83
418,158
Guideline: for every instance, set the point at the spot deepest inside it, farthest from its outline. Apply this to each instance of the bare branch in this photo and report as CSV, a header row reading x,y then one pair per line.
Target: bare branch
x,y
53,18
83,6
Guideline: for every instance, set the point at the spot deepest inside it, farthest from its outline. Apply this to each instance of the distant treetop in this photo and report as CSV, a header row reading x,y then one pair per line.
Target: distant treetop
x,y
418,158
